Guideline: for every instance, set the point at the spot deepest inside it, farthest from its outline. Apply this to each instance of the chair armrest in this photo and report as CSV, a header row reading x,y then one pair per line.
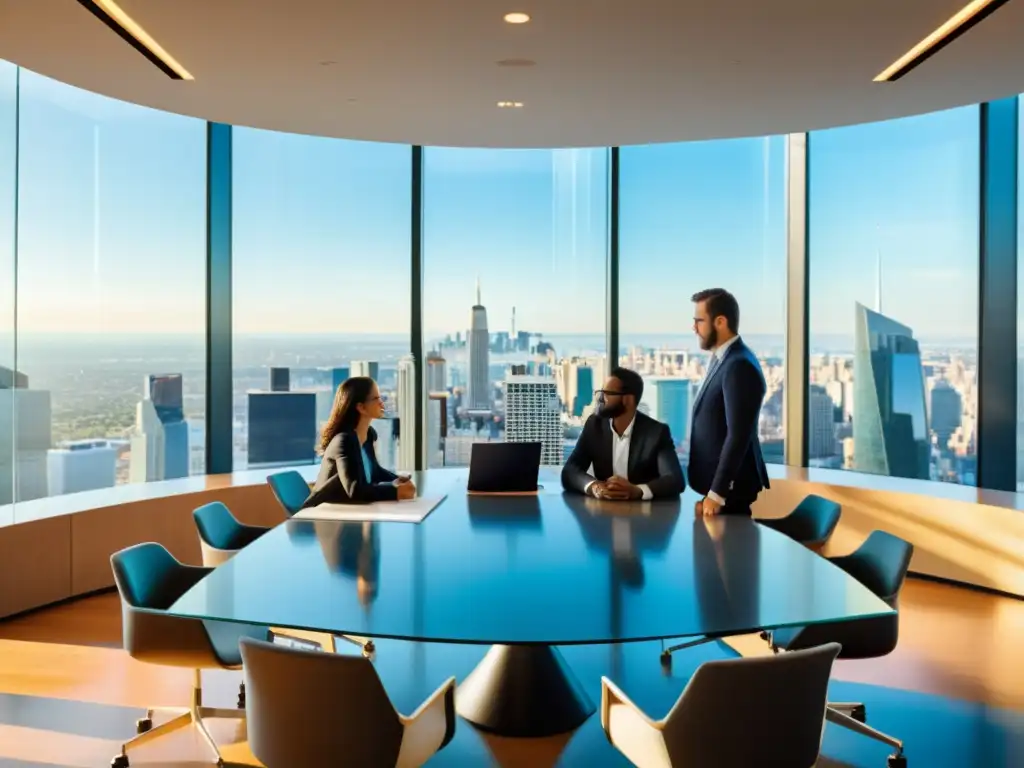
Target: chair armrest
x,y
612,694
429,729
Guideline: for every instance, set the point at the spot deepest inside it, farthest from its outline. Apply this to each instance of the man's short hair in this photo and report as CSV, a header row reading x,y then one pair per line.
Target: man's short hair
x,y
720,302
632,382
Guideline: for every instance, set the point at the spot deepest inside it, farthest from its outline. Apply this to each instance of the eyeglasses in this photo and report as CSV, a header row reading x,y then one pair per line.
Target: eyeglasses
x,y
601,394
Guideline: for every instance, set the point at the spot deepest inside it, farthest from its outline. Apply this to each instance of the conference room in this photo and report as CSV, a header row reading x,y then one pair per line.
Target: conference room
x,y
214,215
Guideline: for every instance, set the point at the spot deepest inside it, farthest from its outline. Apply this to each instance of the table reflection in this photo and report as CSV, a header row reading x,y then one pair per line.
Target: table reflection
x,y
353,549
726,567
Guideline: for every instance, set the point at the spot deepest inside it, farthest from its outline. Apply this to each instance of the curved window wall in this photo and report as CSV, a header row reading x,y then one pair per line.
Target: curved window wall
x,y
108,381
498,281
693,216
515,252
893,223
321,280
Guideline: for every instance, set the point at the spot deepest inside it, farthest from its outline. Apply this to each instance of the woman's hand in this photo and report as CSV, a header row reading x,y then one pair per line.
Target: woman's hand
x,y
406,489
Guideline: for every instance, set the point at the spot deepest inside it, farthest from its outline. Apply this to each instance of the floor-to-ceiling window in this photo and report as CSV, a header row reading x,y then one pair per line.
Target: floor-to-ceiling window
x,y
111,244
893,236
1020,297
702,215
8,196
515,250
321,286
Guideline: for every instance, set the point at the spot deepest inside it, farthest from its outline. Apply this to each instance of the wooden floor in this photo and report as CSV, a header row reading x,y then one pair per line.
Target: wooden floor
x,y
954,643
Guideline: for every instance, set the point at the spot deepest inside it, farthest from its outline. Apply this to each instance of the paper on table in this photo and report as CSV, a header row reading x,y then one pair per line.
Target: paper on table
x,y
411,511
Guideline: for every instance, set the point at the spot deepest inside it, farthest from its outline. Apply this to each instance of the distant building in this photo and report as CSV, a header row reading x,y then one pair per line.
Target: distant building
x,y
369,368
437,375
437,429
280,380
23,460
479,358
532,414
333,379
282,428
81,465
406,414
946,412
670,401
821,436
160,442
890,423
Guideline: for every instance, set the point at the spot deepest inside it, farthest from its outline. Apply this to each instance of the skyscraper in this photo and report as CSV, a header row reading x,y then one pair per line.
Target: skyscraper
x,y
532,411
406,413
366,368
479,398
282,428
821,437
670,401
946,413
24,413
159,449
280,380
437,374
890,423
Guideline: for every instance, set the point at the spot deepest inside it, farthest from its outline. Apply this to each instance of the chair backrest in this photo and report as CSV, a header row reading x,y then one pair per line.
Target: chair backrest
x,y
314,708
814,519
880,564
149,579
290,489
754,711
217,527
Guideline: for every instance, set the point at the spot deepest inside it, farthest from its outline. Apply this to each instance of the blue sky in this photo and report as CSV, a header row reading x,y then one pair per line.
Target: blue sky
x,y
112,239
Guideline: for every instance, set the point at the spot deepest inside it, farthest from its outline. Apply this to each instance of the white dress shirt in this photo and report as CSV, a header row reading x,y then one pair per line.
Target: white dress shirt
x,y
620,458
717,354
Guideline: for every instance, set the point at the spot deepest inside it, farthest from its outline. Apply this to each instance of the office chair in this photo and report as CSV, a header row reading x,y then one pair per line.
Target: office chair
x,y
308,708
290,490
149,579
721,718
220,533
811,523
880,564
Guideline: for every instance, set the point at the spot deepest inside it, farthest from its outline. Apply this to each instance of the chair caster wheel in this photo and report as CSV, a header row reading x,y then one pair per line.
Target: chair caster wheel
x,y
121,761
666,663
143,725
241,696
897,761
860,714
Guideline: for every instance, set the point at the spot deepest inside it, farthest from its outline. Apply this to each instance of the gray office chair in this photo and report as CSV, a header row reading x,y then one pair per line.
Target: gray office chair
x,y
880,564
149,580
733,714
220,533
308,708
811,523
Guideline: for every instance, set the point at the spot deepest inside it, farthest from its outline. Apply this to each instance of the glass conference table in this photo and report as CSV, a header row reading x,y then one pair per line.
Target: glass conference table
x,y
524,574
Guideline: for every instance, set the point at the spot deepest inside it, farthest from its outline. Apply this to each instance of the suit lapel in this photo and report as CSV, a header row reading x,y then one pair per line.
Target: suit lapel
x,y
714,374
605,452
634,446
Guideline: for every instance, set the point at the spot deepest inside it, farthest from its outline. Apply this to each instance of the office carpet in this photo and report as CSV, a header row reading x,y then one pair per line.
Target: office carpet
x,y
937,731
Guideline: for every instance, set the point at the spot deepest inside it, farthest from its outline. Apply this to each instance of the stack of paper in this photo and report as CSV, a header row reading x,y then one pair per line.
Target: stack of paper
x,y
409,511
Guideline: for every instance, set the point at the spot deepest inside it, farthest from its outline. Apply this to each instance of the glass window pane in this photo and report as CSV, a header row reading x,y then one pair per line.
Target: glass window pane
x,y
321,285
111,292
8,191
702,215
515,251
893,237
1020,296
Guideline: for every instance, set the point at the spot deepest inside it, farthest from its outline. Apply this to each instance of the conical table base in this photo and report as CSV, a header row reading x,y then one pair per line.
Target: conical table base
x,y
524,691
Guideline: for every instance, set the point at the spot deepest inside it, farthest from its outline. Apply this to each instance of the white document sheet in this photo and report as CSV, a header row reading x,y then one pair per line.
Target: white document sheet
x,y
409,511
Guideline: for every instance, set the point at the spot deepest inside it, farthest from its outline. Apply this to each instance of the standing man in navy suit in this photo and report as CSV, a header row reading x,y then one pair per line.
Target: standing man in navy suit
x,y
726,465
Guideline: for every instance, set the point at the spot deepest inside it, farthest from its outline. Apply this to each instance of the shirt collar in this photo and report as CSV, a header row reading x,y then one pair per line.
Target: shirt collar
x,y
722,349
627,433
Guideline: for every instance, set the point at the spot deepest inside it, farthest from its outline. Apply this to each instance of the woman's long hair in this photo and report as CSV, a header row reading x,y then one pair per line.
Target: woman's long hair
x,y
344,415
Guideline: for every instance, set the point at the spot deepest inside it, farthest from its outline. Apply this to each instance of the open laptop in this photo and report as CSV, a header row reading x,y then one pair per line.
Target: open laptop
x,y
504,467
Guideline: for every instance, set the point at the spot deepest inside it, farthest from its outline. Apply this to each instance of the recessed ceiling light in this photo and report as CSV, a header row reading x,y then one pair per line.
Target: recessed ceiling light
x,y
510,105
960,22
111,14
517,17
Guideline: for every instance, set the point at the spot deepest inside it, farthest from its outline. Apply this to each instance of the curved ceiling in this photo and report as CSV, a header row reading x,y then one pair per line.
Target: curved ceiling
x,y
605,72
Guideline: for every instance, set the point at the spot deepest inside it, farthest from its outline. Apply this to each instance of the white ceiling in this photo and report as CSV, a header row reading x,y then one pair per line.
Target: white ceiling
x,y
607,71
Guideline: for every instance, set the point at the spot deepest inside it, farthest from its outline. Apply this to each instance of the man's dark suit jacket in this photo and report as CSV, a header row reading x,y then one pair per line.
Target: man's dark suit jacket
x,y
652,457
725,454
342,478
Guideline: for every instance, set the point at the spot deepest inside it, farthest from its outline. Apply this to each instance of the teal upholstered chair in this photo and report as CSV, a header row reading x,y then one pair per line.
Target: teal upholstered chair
x,y
811,523
149,580
220,533
881,564
290,489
